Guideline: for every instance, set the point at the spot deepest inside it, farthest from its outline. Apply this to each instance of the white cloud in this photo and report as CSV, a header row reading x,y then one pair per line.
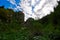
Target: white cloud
x,y
12,1
35,9
41,8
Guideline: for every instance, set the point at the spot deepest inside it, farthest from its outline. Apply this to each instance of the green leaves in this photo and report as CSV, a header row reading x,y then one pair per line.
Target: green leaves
x,y
13,27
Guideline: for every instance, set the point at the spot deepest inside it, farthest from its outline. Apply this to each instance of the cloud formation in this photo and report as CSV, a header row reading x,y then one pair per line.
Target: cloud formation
x,y
35,9
38,9
12,1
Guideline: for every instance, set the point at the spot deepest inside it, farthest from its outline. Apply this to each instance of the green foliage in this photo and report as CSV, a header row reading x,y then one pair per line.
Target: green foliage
x,y
13,27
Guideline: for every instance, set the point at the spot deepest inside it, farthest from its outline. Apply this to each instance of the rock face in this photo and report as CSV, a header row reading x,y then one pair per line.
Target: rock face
x,y
37,9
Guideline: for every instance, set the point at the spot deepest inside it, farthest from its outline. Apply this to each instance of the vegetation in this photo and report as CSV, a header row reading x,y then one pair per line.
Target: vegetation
x,y
13,27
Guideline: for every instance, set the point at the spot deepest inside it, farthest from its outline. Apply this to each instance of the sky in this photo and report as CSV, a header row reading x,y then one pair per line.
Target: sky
x,y
35,9
9,3
4,3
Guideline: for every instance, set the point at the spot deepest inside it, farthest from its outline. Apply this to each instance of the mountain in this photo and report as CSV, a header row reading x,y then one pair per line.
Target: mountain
x,y
13,27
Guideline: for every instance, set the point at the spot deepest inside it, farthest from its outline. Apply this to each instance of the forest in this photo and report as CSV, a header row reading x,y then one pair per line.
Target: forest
x,y
13,27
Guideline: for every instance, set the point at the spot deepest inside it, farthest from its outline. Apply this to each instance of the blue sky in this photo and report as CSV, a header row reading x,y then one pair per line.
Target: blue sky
x,y
8,4
4,3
